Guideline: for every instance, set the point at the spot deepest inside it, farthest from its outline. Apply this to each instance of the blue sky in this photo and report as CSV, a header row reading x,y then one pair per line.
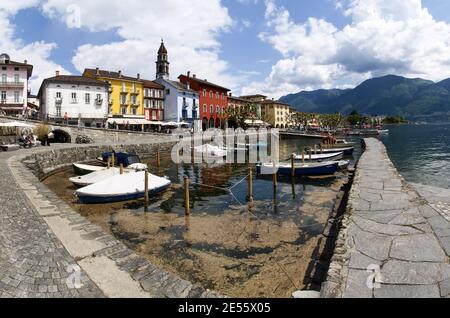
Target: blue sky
x,y
248,61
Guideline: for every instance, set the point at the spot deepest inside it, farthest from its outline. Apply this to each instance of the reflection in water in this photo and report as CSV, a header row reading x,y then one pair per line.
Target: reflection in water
x,y
262,251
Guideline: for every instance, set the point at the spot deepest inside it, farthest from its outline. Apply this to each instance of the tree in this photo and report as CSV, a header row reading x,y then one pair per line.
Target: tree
x,y
240,115
355,118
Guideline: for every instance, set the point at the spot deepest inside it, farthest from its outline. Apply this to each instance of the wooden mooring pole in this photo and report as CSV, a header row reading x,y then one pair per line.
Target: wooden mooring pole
x,y
158,158
293,164
250,184
108,163
113,160
146,196
187,205
275,177
303,156
121,168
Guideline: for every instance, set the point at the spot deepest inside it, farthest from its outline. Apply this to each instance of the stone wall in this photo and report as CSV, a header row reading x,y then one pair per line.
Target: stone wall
x,y
45,163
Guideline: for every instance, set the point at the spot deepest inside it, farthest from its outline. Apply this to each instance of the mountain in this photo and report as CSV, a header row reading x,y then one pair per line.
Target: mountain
x,y
388,95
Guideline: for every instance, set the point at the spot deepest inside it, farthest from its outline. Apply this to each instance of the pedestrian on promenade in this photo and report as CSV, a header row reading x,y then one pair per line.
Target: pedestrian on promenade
x,y
50,137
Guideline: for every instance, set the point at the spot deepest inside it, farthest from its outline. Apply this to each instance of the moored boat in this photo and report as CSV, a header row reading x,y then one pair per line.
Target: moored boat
x,y
307,169
82,169
322,157
212,151
120,158
129,186
348,151
94,177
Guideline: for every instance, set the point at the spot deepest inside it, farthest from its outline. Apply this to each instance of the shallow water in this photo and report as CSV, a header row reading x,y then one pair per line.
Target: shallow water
x,y
261,250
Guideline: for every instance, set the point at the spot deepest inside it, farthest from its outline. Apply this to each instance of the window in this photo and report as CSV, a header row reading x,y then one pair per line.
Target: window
x,y
194,103
147,103
124,88
210,94
3,78
3,68
134,100
58,94
3,96
211,109
134,111
16,78
16,69
184,113
194,113
204,93
87,98
58,111
218,109
223,96
205,108
98,99
123,99
74,98
16,97
123,110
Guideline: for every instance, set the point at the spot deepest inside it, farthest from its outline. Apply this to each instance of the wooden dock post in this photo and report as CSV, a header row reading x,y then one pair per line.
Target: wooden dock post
x,y
108,163
121,168
187,205
158,158
275,177
293,164
146,197
250,184
303,156
113,160
315,149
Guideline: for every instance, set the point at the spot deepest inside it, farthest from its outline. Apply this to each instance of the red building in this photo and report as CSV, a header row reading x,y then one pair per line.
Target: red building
x,y
213,101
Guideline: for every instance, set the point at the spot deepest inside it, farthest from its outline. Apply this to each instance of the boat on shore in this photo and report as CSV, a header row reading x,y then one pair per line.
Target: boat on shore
x,y
125,187
321,157
307,169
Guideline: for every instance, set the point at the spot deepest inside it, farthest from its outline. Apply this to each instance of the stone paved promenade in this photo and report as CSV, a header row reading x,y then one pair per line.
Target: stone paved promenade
x,y
395,241
33,262
49,250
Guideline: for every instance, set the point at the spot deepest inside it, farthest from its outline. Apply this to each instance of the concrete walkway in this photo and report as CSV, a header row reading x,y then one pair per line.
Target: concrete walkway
x,y
395,241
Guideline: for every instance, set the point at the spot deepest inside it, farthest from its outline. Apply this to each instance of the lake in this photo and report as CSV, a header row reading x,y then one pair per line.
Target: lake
x,y
421,153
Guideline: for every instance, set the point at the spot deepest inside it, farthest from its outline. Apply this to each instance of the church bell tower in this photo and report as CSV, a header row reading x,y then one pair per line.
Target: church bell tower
x,y
162,64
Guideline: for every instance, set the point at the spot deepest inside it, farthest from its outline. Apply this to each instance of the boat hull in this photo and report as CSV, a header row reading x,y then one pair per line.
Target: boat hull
x,y
88,199
327,169
82,170
347,151
322,157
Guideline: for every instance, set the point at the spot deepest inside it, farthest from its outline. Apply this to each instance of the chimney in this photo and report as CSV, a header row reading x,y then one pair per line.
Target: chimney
x,y
120,74
25,62
97,71
194,76
231,94
138,76
189,74
57,73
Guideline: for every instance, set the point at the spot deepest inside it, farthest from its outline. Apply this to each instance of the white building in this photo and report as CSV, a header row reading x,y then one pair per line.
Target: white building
x,y
181,103
14,78
75,100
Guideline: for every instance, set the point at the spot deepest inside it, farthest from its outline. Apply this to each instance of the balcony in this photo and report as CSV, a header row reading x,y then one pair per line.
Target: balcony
x,y
12,84
58,100
135,92
135,103
99,102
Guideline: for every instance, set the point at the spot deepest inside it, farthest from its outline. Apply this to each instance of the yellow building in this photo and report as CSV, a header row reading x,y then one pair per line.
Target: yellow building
x,y
126,98
277,114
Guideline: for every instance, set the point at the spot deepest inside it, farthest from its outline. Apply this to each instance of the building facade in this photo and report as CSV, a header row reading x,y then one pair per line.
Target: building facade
x,y
277,114
125,93
74,100
213,101
153,100
14,78
181,103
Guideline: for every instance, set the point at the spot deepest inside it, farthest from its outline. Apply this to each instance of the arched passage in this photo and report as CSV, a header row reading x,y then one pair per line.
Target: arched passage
x,y
61,136
211,123
217,123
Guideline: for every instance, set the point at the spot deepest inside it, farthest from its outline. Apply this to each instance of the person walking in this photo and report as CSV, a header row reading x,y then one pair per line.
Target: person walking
x,y
50,138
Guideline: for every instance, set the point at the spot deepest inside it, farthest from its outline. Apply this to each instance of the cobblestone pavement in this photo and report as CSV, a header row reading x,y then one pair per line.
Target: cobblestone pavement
x,y
395,241
33,262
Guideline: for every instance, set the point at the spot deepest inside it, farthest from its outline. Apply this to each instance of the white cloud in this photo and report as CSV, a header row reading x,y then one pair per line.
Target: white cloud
x,y
395,36
190,30
36,53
